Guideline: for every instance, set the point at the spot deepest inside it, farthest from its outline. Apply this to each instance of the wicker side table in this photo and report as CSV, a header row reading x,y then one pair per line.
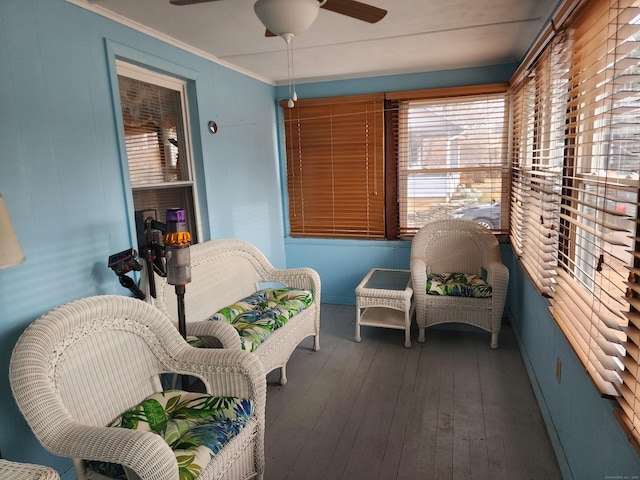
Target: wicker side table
x,y
384,298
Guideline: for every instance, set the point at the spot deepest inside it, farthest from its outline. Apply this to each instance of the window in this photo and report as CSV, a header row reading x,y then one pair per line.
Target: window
x,y
335,167
157,142
538,150
452,156
366,167
576,144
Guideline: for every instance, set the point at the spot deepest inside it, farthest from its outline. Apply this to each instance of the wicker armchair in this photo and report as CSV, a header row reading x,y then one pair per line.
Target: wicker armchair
x,y
80,366
25,471
461,246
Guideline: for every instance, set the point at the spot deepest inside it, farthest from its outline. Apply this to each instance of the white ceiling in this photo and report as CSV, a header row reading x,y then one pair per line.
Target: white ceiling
x,y
415,35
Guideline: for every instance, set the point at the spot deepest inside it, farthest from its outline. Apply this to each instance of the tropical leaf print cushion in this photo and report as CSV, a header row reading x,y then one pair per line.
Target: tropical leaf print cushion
x,y
458,285
195,425
257,316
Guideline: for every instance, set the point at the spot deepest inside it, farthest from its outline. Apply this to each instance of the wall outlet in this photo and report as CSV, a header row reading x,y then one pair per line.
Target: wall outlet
x,y
558,369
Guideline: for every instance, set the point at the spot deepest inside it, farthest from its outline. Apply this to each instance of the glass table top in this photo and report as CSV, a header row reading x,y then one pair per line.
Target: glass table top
x,y
388,280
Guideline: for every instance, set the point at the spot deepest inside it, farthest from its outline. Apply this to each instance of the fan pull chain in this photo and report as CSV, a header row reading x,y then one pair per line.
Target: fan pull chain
x,y
293,97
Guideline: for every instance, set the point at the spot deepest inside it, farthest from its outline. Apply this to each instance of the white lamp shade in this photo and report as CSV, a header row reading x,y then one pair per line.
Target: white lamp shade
x,y
10,250
287,16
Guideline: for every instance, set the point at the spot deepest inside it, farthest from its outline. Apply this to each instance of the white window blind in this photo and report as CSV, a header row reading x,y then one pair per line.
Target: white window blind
x,y
537,156
154,120
582,191
452,156
600,185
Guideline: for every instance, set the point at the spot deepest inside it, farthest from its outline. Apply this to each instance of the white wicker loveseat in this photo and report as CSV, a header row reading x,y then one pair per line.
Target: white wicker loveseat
x,y
224,271
458,246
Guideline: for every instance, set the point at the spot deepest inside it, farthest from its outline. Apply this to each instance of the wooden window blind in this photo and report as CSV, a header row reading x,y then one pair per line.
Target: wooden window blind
x,y
335,167
586,84
452,156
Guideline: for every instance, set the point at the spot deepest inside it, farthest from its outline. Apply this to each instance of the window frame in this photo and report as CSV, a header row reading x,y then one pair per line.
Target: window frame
x,y
441,98
137,72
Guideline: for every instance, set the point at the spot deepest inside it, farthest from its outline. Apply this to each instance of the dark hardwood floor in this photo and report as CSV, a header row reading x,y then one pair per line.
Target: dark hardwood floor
x,y
450,408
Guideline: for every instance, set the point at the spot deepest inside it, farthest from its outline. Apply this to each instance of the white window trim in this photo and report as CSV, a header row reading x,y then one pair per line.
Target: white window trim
x,y
137,72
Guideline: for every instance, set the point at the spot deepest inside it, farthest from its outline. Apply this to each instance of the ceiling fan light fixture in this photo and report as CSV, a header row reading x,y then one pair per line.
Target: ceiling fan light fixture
x,y
287,16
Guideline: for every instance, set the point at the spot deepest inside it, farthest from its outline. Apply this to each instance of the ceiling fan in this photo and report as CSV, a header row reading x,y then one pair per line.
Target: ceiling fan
x,y
302,13
288,18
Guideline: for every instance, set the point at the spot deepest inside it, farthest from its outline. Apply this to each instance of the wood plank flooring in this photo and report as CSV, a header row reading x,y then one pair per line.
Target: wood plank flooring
x,y
450,408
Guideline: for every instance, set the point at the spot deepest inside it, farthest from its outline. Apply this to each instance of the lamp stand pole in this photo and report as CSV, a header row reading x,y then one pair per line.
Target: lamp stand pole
x,y
182,326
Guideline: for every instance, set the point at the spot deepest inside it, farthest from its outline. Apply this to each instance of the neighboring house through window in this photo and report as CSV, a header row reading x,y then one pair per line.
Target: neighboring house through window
x,y
451,150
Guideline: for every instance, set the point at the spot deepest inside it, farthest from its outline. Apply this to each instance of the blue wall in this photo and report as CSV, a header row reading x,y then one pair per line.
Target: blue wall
x,y
589,442
342,264
61,171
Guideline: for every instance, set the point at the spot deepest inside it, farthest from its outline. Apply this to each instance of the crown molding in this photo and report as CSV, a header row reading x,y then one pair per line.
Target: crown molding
x,y
97,9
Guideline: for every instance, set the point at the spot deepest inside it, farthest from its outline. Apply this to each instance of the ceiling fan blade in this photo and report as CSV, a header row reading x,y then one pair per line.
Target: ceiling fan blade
x,y
351,8
189,2
269,33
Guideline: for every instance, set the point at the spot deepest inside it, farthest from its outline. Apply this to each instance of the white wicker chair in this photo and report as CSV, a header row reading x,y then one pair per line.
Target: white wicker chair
x,y
224,271
26,471
81,365
448,246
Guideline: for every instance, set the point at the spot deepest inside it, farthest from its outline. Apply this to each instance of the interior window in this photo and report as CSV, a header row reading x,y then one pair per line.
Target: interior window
x,y
155,124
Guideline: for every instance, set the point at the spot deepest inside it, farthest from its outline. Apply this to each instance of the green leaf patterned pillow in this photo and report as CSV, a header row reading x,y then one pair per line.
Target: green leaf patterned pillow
x,y
458,285
254,327
257,316
195,425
